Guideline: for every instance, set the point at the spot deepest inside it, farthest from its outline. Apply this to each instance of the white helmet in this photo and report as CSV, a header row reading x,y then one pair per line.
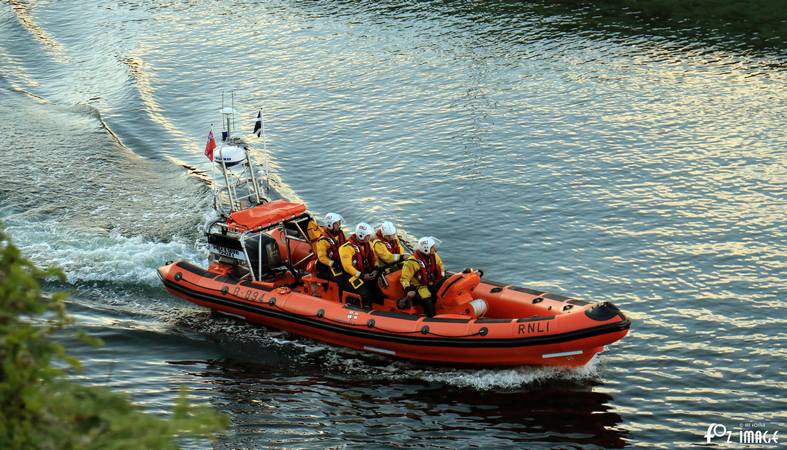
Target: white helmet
x,y
332,218
426,243
363,230
387,229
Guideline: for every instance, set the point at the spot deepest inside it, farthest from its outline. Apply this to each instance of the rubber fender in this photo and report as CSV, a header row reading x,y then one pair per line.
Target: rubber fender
x,y
602,311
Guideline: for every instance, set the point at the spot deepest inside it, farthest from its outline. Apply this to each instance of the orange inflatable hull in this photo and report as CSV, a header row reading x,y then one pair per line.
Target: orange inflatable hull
x,y
522,327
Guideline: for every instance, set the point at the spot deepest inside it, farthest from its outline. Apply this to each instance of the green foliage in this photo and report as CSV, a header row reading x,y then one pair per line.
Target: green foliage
x,y
40,407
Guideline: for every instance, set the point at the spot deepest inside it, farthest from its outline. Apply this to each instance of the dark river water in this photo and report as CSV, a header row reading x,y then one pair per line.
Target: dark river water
x,y
635,166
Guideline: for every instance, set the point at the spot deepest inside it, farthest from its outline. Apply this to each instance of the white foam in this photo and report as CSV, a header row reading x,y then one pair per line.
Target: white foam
x,y
486,379
479,379
354,363
98,255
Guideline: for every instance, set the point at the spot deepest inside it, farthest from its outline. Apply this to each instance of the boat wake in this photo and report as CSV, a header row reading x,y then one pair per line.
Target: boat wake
x,y
358,365
141,73
25,17
98,254
348,363
510,378
92,111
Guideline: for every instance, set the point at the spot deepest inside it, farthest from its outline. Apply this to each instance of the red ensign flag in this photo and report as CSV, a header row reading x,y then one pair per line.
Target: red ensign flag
x,y
210,146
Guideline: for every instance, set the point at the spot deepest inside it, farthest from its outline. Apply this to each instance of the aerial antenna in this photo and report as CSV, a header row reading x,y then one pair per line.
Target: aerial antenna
x,y
232,105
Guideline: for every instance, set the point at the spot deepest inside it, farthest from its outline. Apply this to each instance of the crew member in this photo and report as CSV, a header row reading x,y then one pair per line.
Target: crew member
x,y
313,232
358,261
327,248
422,274
387,247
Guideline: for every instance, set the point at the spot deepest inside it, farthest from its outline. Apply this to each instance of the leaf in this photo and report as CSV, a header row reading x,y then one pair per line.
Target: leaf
x,y
39,406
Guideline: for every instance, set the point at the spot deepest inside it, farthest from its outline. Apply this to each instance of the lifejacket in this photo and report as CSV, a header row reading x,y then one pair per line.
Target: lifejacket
x,y
334,241
429,273
313,231
392,246
364,258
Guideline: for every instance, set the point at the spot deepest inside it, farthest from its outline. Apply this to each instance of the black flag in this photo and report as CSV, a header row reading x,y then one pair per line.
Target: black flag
x,y
258,124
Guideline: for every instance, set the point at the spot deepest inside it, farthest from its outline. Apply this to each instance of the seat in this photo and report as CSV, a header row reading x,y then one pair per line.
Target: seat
x,y
394,290
311,274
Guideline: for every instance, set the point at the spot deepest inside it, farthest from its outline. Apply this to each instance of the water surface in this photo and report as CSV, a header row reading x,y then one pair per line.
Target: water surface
x,y
610,163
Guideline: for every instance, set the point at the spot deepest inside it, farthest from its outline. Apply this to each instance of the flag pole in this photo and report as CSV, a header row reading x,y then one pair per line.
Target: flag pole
x,y
251,172
265,150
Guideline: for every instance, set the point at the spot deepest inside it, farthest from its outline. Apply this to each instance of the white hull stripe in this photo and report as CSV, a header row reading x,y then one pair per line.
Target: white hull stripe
x,y
384,351
557,355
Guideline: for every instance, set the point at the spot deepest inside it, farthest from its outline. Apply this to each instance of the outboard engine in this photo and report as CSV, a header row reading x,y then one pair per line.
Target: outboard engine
x,y
262,249
264,255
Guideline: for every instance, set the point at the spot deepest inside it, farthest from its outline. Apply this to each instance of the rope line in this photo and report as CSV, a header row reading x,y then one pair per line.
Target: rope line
x,y
276,305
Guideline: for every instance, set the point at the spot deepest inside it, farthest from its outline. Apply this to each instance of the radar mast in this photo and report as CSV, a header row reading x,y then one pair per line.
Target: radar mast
x,y
235,185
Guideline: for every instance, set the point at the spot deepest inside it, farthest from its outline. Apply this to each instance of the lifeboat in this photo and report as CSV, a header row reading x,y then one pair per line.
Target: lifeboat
x,y
261,270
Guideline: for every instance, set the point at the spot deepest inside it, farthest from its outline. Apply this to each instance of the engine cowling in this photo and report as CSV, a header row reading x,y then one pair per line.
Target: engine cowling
x,y
455,296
